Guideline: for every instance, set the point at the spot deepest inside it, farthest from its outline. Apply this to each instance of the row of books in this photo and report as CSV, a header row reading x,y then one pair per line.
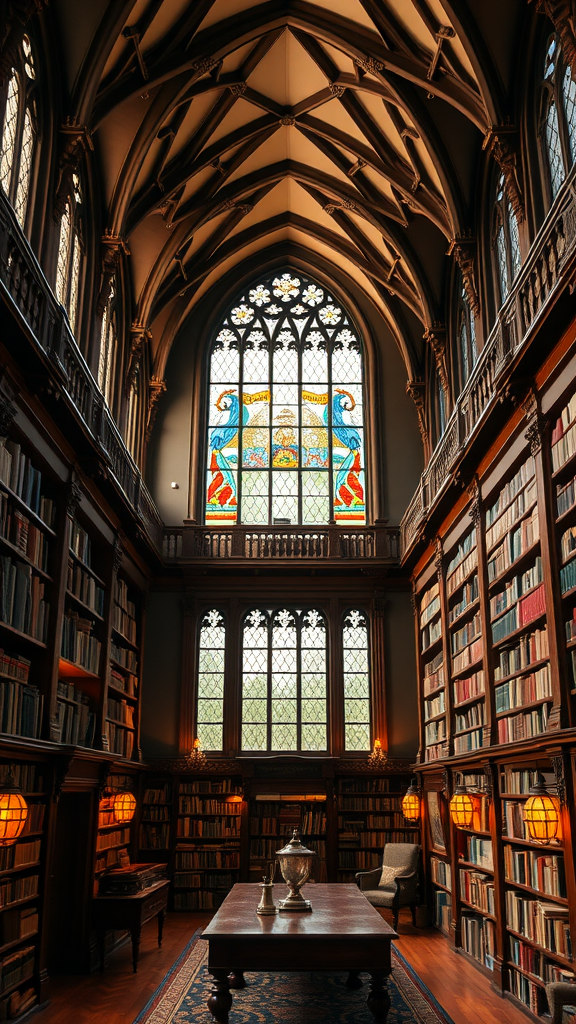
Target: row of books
x,y
18,473
124,657
381,785
434,674
80,543
124,624
461,573
565,419
22,603
29,777
442,910
121,598
469,596
464,636
431,633
513,546
542,871
434,751
196,805
523,690
20,855
16,968
207,858
120,740
527,992
373,840
441,872
513,822
435,732
566,496
522,653
563,449
78,644
15,889
83,585
517,586
568,576
478,889
429,602
194,880
120,711
18,924
359,860
546,924
108,859
470,686
154,836
220,828
515,510
462,551
21,707
511,489
469,656
479,938
14,666
109,839
468,741
75,723
434,707
368,803
523,726
519,780
471,718
127,683
377,821
536,963
157,795
35,819
479,852
568,543
211,787
16,528
151,812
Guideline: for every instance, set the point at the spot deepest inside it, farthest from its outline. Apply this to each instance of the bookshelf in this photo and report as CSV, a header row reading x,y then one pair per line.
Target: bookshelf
x,y
431,656
476,892
369,816
122,704
207,841
564,511
274,815
155,818
114,841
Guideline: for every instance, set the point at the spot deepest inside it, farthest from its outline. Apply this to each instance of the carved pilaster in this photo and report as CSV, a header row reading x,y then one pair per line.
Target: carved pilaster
x,y
501,141
156,387
436,338
464,252
139,337
76,140
417,391
475,512
112,248
562,14
438,557
535,431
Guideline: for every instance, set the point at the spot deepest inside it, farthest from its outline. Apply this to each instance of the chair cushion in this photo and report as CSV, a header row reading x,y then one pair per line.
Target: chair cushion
x,y
388,876
379,897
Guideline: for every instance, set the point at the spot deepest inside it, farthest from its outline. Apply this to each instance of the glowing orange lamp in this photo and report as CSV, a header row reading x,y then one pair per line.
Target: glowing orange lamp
x,y
541,812
123,806
13,811
411,802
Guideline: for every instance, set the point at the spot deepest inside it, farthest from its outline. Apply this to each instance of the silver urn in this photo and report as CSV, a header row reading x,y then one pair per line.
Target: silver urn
x,y
295,864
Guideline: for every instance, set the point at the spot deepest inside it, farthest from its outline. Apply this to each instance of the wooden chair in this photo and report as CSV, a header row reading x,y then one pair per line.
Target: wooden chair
x,y
560,994
403,890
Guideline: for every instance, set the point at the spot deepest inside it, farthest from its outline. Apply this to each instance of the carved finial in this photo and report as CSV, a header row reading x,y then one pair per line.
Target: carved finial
x,y
369,64
112,248
156,388
436,338
287,121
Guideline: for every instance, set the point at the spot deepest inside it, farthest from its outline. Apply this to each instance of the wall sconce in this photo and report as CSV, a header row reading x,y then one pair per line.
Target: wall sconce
x,y
196,758
411,801
541,812
13,811
123,806
462,807
378,757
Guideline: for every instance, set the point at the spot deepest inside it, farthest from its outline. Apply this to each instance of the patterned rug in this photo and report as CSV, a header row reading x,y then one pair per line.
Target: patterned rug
x,y
305,998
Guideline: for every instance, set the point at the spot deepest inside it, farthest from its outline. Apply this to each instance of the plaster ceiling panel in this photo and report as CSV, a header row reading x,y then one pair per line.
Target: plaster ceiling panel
x,y
122,45
235,59
429,163
228,266
169,12
194,184
351,9
227,9
408,17
339,58
115,136
77,24
203,233
147,165
382,120
305,152
440,14
197,114
373,235
146,243
287,74
334,114
288,196
275,149
242,113
344,264
382,184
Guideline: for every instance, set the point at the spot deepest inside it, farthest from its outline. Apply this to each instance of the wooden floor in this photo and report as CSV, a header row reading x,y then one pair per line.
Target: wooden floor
x,y
117,996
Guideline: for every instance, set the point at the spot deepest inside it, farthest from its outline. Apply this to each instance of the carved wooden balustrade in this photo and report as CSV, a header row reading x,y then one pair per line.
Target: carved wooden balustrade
x,y
540,277
241,544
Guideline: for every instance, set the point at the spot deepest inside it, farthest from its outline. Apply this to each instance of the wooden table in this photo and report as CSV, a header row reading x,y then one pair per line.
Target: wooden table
x,y
130,912
343,932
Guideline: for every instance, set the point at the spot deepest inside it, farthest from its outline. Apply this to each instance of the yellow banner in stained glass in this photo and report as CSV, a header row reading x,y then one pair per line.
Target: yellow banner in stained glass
x,y
260,396
311,396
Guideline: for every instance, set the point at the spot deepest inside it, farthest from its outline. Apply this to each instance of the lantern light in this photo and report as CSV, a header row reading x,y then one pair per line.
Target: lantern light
x,y
541,812
462,807
411,802
123,806
196,758
378,757
13,811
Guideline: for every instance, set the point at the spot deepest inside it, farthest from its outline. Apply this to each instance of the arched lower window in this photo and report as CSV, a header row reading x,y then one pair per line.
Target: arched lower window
x,y
18,133
468,352
506,241
108,345
284,681
210,692
558,116
285,422
70,254
356,659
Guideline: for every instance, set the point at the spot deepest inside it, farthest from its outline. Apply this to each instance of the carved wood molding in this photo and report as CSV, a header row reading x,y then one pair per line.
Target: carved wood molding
x,y
502,142
436,338
14,17
156,388
76,140
562,14
464,252
113,247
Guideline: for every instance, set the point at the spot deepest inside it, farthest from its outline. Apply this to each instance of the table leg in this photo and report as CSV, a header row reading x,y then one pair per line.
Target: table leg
x,y
379,998
354,980
219,1001
236,979
160,926
135,933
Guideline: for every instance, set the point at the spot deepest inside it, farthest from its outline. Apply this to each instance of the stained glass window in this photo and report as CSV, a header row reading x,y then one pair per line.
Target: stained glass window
x,y
356,681
284,681
466,336
210,692
285,431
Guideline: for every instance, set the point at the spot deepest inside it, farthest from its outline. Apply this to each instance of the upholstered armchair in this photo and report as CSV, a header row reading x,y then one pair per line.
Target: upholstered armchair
x,y
383,890
560,994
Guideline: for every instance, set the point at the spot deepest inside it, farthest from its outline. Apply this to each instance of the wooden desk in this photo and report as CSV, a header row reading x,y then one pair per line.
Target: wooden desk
x,y
343,932
130,912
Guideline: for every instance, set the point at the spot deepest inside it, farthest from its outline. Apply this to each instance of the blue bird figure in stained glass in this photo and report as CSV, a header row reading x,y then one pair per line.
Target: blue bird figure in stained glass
x,y
348,489
222,489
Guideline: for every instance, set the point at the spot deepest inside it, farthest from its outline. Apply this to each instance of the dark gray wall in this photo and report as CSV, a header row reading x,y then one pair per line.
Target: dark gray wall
x,y
401,682
161,675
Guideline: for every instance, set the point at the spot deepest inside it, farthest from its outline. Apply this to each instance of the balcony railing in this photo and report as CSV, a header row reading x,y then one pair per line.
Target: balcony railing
x,y
532,292
46,324
242,544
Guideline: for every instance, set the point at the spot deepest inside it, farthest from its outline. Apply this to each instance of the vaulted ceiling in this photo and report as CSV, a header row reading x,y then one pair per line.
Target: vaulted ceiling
x,y
351,128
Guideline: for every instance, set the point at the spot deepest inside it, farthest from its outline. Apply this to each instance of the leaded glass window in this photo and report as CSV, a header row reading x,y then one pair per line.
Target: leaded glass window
x,y
355,651
9,133
107,359
17,144
558,116
466,337
569,90
25,169
554,149
506,241
69,264
284,681
210,691
285,432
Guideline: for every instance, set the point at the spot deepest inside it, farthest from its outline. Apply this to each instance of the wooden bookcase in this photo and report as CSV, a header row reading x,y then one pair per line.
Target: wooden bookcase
x,y
369,816
274,812
208,834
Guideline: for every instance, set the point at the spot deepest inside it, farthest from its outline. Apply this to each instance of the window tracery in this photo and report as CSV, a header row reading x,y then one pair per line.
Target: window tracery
x,y
506,241
108,345
285,431
210,691
355,651
18,133
558,116
68,268
468,352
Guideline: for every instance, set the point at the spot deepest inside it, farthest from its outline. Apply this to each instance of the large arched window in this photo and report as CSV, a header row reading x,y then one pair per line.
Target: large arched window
x,y
467,350
356,660
210,691
70,254
285,423
558,116
284,681
18,133
108,345
505,240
